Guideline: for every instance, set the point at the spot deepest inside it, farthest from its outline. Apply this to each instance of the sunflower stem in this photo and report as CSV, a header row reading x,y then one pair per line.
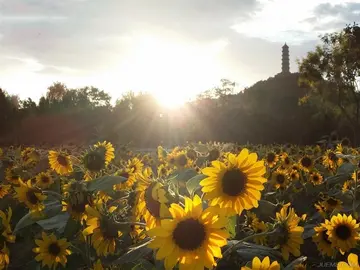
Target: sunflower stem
x,y
131,223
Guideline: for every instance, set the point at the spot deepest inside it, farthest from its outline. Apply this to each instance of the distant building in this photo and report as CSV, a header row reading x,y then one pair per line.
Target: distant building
x,y
285,61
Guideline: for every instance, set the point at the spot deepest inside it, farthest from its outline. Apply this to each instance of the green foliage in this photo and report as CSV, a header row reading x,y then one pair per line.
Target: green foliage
x,y
51,209
332,72
105,183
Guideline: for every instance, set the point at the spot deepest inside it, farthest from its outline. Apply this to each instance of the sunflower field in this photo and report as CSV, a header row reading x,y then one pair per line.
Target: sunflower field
x,y
197,206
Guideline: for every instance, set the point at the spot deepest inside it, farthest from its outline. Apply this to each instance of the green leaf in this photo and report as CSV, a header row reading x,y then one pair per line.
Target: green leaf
x,y
346,168
143,264
247,251
182,176
51,209
133,255
57,222
193,184
231,226
105,183
71,228
308,231
340,178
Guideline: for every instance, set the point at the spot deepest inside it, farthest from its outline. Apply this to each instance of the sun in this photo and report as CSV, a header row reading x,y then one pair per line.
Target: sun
x,y
170,100
173,70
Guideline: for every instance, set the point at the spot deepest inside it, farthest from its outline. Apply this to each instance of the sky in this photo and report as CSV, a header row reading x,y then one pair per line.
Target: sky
x,y
171,48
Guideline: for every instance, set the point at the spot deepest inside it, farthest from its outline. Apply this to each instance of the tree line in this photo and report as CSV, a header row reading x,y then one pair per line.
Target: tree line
x,y
297,108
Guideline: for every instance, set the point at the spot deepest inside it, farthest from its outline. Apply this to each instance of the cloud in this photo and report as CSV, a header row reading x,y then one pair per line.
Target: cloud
x,y
73,33
331,17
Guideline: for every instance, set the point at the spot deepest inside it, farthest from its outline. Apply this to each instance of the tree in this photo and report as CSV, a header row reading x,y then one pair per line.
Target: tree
x,y
56,91
332,72
28,104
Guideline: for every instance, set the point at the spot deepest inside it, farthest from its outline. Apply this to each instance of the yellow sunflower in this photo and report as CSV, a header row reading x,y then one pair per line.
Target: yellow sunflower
x,y
356,175
265,264
33,198
182,160
60,163
51,251
343,232
108,149
330,204
30,156
4,190
77,198
280,179
289,237
135,166
316,178
161,153
193,237
12,175
347,185
44,180
4,257
102,229
6,226
286,161
300,266
294,175
271,159
330,159
321,239
306,163
98,265
129,175
353,263
153,204
235,184
163,170
260,227
251,218
94,160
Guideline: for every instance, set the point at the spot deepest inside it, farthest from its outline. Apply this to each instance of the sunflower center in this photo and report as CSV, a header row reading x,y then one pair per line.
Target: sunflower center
x,y
62,160
108,228
280,178
343,232
270,157
153,206
306,162
316,178
287,160
233,182
95,161
31,197
45,179
325,237
332,156
181,160
189,234
54,249
78,207
124,174
214,154
332,202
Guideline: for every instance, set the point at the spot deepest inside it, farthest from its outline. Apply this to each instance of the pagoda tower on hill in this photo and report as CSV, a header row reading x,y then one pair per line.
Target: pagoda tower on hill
x,y
285,61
